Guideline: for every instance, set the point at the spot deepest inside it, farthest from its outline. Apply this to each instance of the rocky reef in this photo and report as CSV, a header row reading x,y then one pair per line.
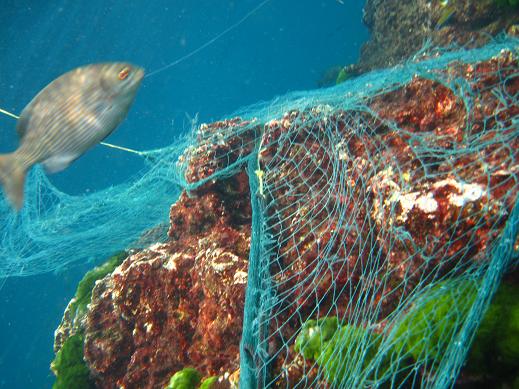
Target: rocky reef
x,y
401,28
177,307
179,303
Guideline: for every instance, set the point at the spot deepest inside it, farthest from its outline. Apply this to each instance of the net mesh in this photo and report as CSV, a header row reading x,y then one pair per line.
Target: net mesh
x,y
378,239
56,230
384,215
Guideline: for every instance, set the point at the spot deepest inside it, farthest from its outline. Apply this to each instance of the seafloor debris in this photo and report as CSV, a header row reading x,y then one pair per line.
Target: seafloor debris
x,y
180,303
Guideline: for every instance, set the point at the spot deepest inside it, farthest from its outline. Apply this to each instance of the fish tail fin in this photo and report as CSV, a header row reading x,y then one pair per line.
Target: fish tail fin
x,y
12,179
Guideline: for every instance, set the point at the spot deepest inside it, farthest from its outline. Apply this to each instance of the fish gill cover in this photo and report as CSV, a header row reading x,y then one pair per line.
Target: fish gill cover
x,y
380,230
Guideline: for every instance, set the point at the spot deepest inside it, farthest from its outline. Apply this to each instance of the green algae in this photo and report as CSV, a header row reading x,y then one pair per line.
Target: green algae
x,y
208,383
190,378
343,76
84,290
507,3
69,366
348,343
430,324
329,344
495,351
314,334
423,334
187,378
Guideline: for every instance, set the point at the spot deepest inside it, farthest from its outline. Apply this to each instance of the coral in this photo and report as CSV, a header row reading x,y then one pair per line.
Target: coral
x,y
69,367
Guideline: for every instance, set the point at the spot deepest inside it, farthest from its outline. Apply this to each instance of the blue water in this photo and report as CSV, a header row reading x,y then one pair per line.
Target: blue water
x,y
286,45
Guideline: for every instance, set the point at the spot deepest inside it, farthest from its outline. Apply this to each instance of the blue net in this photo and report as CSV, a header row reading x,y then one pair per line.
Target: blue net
x,y
379,235
55,230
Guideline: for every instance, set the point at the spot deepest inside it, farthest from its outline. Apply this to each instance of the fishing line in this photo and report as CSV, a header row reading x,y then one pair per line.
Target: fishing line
x,y
210,42
9,114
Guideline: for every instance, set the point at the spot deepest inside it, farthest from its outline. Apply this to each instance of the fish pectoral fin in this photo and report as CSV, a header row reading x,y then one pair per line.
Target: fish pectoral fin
x,y
59,162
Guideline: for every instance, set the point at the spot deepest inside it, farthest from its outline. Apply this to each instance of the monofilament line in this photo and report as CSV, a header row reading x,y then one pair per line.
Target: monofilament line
x,y
210,42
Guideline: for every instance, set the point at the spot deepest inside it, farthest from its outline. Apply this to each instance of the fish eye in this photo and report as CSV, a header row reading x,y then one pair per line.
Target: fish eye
x,y
124,73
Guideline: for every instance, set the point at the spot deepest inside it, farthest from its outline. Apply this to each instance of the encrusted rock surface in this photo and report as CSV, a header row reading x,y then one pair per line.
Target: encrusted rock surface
x,y
400,28
418,187
176,304
394,181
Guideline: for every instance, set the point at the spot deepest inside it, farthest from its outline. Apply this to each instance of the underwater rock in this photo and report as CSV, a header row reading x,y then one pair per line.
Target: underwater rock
x,y
73,321
400,28
176,304
180,303
396,188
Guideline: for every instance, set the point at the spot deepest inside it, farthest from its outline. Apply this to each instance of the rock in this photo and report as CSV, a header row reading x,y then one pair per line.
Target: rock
x,y
396,180
175,304
400,28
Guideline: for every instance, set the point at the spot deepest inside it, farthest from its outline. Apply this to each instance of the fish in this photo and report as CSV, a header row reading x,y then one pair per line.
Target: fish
x,y
448,11
69,116
329,76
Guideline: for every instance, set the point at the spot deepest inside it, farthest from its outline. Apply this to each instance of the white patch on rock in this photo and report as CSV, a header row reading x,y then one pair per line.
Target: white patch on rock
x,y
427,203
240,277
407,203
221,266
171,263
467,192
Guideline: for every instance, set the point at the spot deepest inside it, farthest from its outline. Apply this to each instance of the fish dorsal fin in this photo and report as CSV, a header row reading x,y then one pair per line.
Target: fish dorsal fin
x,y
59,162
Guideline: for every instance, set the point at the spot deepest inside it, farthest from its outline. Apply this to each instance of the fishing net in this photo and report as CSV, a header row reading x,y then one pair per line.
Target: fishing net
x,y
55,230
384,216
379,235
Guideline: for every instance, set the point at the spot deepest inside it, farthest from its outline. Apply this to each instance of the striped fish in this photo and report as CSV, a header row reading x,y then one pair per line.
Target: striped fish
x,y
69,116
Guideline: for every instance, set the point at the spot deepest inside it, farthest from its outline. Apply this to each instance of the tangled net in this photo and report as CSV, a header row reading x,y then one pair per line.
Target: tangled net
x,y
380,230
384,216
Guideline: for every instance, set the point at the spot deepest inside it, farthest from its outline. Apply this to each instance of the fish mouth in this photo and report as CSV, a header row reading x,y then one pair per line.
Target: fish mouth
x,y
139,74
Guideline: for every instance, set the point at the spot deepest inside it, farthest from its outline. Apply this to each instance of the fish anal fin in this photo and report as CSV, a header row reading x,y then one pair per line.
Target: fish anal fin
x,y
12,178
59,162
